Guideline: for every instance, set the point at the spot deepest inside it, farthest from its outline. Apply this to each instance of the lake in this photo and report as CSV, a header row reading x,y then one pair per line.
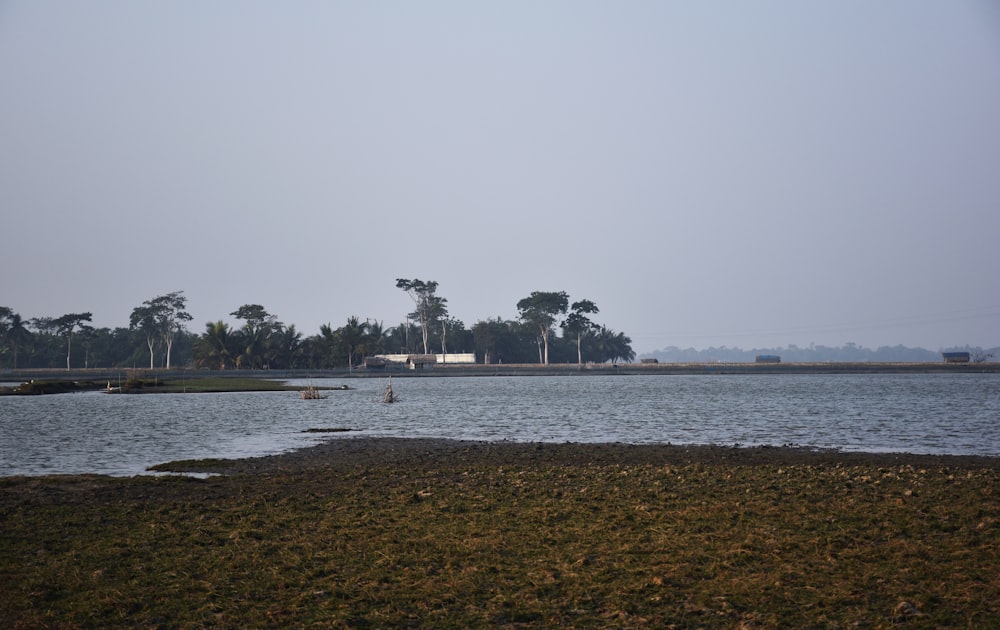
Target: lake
x,y
123,434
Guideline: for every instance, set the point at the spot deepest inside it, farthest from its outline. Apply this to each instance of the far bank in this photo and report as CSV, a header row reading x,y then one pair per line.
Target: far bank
x,y
526,369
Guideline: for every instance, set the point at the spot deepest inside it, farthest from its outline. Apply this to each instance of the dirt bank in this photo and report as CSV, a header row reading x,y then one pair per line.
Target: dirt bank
x,y
351,452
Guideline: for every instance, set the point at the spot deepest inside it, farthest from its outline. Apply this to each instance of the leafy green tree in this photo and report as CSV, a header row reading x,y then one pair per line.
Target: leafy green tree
x,y
117,347
459,337
160,320
254,316
487,334
499,341
144,321
255,335
438,309
87,335
45,339
540,311
170,317
578,324
66,326
427,304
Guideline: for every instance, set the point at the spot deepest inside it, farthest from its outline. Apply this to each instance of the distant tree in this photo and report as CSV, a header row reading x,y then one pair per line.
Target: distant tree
x,y
312,352
255,334
254,316
540,310
214,348
14,333
488,337
284,347
612,346
160,320
577,324
5,314
438,314
330,342
459,338
375,338
46,344
66,326
401,338
352,337
88,336
427,304
170,318
980,356
144,321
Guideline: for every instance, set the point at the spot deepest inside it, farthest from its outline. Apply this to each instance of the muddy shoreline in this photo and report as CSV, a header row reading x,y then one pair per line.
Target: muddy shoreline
x,y
362,532
348,453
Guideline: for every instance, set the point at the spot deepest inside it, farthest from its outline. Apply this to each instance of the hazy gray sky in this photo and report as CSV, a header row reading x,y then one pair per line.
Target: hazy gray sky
x,y
709,173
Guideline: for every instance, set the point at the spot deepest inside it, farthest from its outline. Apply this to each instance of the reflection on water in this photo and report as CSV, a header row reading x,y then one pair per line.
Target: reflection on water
x,y
122,435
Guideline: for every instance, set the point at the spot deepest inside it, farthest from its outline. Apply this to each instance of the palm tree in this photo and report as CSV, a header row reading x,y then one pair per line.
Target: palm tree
x,y
284,347
251,343
352,335
612,346
16,334
375,342
214,346
330,340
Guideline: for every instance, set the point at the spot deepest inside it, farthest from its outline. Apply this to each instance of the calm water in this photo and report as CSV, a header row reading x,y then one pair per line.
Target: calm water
x,y
122,435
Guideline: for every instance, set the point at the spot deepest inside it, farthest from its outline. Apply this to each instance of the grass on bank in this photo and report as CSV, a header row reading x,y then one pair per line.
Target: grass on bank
x,y
461,544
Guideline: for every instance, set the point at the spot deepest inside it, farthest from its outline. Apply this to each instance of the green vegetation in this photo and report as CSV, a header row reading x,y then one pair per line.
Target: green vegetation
x,y
157,336
516,540
160,320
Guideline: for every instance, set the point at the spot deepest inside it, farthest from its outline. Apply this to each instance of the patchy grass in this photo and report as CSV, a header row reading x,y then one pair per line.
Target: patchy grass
x,y
460,542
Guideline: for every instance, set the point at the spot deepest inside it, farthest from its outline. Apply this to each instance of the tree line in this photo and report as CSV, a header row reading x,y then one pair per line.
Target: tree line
x,y
157,336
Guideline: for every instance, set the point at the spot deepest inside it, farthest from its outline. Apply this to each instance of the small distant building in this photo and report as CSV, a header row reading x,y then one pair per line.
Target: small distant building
x,y
421,361
418,361
651,361
767,358
955,357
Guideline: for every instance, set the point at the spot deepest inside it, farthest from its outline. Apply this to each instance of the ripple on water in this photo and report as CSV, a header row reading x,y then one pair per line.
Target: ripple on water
x,y
122,435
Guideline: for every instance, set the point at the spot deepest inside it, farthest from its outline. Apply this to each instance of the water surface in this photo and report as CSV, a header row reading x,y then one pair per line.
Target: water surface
x,y
122,435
